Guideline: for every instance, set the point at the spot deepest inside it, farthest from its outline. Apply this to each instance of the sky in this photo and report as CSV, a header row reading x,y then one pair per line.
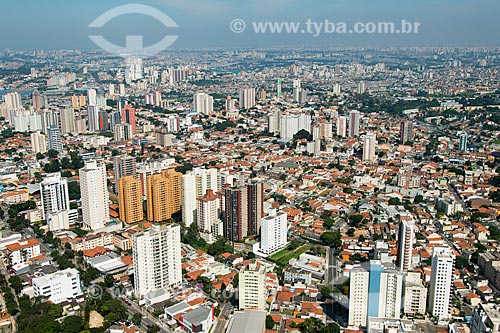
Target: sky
x,y
64,24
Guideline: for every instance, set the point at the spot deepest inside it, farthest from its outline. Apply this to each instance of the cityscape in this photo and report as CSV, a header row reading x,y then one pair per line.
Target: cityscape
x,y
264,189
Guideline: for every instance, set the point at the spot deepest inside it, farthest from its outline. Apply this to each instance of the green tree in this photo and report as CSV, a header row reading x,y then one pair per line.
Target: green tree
x,y
16,283
72,324
269,322
52,153
325,292
331,238
137,318
153,329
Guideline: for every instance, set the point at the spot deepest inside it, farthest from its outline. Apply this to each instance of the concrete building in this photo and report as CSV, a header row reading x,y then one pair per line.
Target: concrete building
x,y
247,97
273,232
443,262
157,259
369,147
385,291
124,166
342,126
67,116
354,119
208,216
94,194
358,296
291,123
406,235
130,199
163,195
22,251
58,287
54,138
248,321
415,295
39,142
406,131
252,287
128,117
485,319
195,184
203,103
54,194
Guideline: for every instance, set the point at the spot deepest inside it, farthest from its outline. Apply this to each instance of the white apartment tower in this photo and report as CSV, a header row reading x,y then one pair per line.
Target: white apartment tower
x,y
247,98
208,216
203,103
157,259
369,147
358,296
405,243
54,194
193,185
443,261
273,232
39,142
415,295
95,196
342,126
252,287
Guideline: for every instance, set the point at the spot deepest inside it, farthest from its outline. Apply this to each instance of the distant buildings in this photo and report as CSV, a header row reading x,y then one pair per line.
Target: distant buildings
x,y
342,126
123,132
291,123
157,259
252,287
128,117
273,232
58,287
208,213
462,146
443,262
94,194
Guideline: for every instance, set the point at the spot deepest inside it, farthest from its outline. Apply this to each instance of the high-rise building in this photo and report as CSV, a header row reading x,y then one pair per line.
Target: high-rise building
x,y
67,120
291,123
463,142
415,295
163,195
203,103
342,126
385,291
405,243
369,146
273,232
54,138
157,259
354,123
247,97
243,211
279,88
194,185
361,87
38,142
92,97
443,261
123,166
252,287
122,132
128,117
103,122
133,69
37,100
358,296
296,90
13,100
54,194
93,118
208,213
273,122
336,89
406,131
485,318
95,196
130,199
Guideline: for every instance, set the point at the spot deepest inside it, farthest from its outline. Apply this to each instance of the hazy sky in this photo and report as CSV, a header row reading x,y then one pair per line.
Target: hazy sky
x,y
63,24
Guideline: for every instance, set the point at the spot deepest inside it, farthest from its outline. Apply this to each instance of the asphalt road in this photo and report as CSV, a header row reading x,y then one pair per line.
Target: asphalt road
x,y
223,318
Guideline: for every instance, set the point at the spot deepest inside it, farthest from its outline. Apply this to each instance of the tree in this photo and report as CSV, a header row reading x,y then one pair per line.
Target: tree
x,y
52,153
269,322
137,318
394,202
153,329
325,292
251,255
72,324
331,238
109,280
350,232
418,199
16,283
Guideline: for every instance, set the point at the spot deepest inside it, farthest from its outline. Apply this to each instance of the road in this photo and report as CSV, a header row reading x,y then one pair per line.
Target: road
x,y
147,318
223,318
